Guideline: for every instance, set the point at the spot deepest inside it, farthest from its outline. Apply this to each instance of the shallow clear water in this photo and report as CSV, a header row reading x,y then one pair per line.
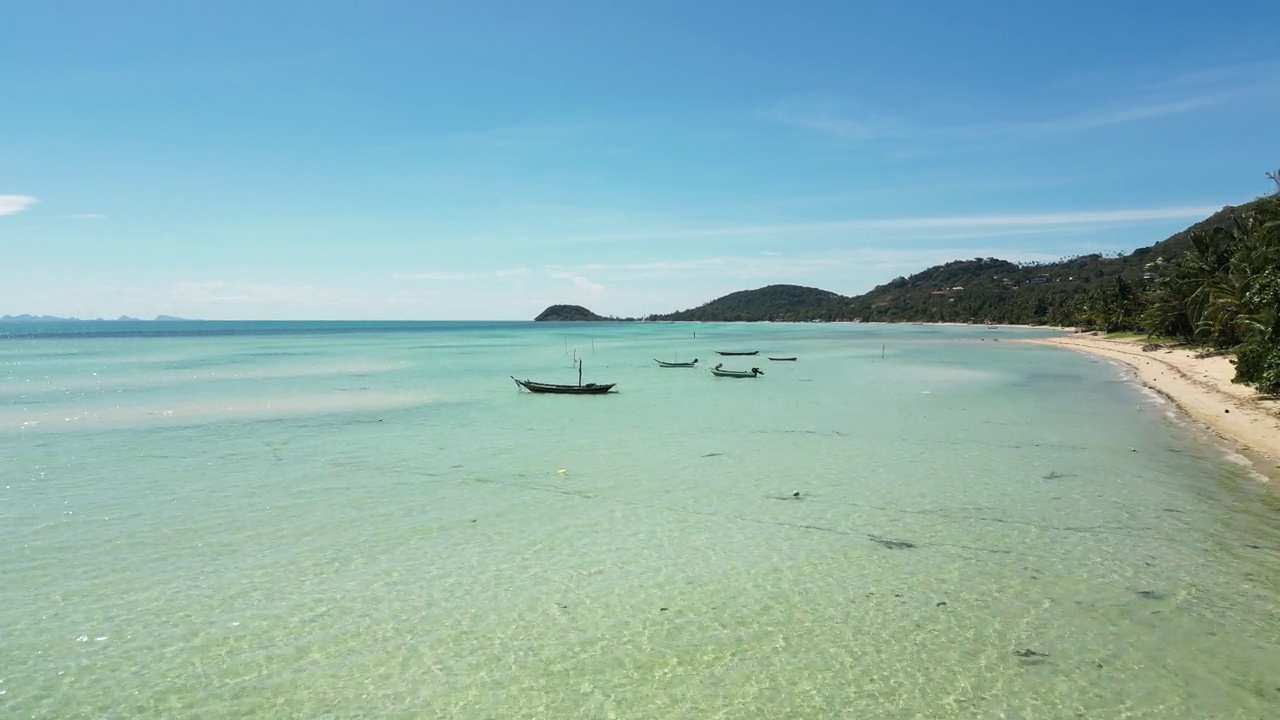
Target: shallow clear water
x,y
373,521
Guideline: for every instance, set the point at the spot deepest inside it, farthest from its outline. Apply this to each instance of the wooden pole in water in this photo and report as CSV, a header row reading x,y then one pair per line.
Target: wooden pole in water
x,y
579,373
882,352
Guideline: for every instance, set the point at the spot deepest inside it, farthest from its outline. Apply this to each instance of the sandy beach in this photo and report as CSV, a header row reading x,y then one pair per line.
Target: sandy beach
x,y
1202,388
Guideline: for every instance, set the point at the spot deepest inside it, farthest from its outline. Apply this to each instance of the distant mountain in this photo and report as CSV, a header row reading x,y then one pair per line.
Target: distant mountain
x,y
36,318
562,313
54,318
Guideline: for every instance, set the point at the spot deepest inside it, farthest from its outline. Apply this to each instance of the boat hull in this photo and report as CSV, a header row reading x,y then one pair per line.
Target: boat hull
x,y
662,363
737,352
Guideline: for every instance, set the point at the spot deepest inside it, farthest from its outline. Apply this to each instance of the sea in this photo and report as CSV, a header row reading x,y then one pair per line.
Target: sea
x,y
372,520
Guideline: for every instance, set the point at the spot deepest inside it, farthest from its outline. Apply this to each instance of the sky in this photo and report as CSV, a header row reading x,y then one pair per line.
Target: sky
x,y
483,160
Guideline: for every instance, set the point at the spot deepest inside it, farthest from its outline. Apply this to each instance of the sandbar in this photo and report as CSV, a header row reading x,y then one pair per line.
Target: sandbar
x,y
1201,387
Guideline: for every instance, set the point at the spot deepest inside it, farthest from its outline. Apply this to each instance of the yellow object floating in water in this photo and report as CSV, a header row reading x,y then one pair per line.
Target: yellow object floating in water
x,y
562,471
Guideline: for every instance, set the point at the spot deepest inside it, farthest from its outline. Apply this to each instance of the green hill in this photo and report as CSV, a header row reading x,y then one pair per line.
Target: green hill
x,y
780,303
562,313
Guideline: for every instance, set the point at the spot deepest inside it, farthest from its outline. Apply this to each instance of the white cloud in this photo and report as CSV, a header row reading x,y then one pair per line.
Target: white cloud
x,y
14,204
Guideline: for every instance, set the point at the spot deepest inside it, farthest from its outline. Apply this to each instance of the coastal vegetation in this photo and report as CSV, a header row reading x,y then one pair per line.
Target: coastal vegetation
x,y
1222,293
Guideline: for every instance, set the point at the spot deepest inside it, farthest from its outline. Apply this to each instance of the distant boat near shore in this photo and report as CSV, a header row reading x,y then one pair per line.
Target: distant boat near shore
x,y
782,359
737,352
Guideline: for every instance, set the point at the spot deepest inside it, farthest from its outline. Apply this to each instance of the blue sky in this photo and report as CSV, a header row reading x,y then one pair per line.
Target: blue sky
x,y
477,160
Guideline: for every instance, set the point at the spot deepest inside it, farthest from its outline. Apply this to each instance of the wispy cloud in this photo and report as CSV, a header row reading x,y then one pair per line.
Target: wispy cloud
x,y
1102,117
799,266
14,204
830,122
434,276
521,135
1175,96
226,292
1240,78
933,225
585,286
663,285
89,216
878,129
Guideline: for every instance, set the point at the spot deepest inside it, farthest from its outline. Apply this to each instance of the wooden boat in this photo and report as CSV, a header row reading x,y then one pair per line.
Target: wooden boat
x,y
663,363
733,352
579,389
782,359
719,371
588,389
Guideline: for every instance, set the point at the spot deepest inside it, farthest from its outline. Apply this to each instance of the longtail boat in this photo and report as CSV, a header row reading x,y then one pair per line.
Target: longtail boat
x,y
664,363
719,371
588,389
579,389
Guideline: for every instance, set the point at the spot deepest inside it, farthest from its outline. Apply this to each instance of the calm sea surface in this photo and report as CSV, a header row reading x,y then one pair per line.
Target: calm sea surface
x,y
304,520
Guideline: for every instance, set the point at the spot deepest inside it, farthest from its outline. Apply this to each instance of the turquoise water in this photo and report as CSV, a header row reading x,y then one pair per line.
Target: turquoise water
x,y
346,520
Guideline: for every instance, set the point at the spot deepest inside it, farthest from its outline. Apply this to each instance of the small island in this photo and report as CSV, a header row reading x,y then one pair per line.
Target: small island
x,y
568,313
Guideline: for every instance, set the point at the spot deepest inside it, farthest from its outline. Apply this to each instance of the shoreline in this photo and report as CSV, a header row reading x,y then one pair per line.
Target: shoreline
x,y
1201,388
